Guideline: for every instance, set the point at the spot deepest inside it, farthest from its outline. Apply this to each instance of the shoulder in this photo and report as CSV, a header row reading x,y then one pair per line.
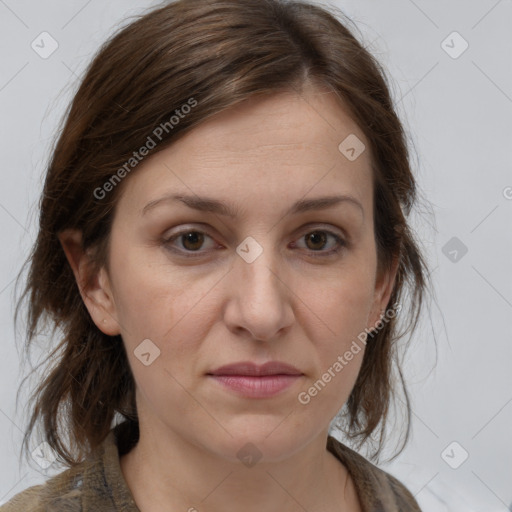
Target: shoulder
x,y
96,483
62,492
28,500
69,490
377,489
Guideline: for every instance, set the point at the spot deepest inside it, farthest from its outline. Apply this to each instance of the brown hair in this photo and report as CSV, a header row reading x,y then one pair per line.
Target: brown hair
x,y
218,53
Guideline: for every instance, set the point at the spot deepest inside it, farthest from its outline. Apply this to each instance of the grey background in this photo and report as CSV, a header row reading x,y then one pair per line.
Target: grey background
x,y
458,113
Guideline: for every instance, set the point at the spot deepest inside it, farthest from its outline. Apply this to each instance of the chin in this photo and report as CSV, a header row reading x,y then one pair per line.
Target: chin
x,y
254,442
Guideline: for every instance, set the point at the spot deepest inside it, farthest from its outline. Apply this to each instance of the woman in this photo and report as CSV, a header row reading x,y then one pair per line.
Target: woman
x,y
223,245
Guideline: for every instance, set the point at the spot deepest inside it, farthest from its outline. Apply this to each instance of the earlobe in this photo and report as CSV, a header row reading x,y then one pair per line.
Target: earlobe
x,y
95,289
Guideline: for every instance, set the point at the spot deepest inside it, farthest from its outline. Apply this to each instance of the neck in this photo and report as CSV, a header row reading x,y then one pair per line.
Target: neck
x,y
166,472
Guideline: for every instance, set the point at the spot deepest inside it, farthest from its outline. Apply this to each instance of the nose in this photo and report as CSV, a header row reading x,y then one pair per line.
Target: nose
x,y
260,299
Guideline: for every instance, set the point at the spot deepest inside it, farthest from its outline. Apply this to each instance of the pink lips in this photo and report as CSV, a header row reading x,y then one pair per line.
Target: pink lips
x,y
256,381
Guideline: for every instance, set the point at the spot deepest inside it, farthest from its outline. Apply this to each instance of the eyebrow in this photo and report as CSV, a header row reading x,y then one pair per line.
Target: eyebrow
x,y
208,204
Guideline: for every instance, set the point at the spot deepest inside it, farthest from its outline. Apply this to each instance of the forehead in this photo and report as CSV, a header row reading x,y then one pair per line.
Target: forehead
x,y
284,143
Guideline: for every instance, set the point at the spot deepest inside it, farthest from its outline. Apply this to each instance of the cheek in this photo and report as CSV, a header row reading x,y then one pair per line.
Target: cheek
x,y
342,301
338,307
172,307
150,296
338,348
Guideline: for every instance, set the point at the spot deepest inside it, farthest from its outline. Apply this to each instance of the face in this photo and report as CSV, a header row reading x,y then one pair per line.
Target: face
x,y
271,274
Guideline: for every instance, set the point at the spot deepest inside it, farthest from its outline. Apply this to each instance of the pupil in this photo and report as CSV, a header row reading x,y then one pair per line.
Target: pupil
x,y
194,238
316,238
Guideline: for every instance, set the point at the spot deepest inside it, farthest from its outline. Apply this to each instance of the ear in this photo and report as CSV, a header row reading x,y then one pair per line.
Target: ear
x,y
383,288
95,289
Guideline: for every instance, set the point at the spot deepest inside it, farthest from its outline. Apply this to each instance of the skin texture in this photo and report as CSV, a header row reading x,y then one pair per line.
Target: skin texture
x,y
216,308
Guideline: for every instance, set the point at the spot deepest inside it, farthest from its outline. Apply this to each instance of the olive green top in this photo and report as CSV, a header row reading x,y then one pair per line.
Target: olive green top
x,y
98,485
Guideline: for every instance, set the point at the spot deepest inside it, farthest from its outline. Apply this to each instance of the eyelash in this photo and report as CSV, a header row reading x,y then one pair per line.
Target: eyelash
x,y
341,243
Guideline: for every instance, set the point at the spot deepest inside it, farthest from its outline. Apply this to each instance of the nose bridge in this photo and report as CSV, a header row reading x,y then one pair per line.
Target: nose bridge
x,y
256,277
262,299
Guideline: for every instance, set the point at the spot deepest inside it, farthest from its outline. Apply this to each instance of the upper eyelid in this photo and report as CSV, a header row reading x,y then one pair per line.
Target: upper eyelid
x,y
306,229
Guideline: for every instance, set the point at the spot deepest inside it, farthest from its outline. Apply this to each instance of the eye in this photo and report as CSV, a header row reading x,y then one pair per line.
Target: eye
x,y
189,241
317,240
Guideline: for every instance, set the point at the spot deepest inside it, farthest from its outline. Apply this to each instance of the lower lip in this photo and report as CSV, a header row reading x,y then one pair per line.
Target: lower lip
x,y
256,387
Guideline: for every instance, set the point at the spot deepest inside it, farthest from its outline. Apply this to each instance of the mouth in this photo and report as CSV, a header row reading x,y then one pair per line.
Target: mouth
x,y
256,381
249,369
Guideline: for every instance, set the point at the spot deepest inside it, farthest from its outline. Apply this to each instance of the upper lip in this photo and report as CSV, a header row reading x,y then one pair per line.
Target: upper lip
x,y
252,369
